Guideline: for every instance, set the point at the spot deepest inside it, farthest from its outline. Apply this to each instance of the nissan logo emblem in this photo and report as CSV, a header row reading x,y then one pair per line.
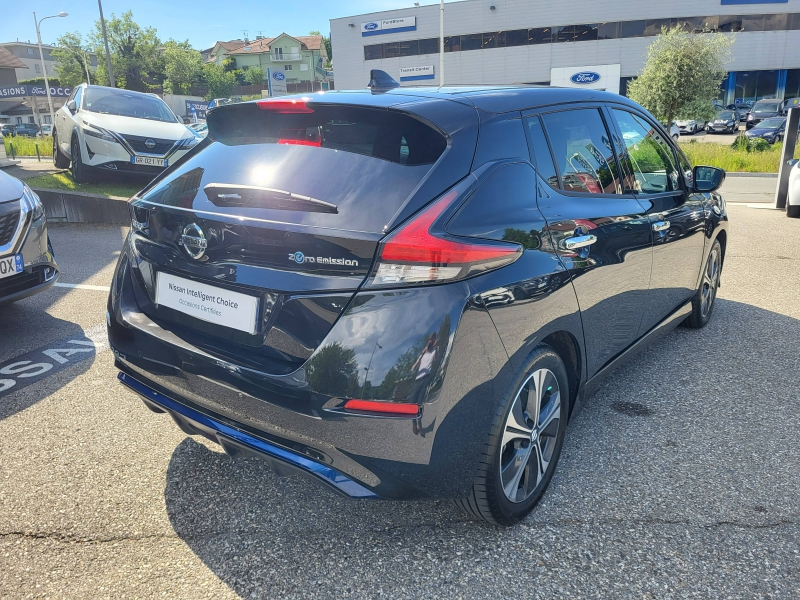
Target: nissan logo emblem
x,y
150,143
194,241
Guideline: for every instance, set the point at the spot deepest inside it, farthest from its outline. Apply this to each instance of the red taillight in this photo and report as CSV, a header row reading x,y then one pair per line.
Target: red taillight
x,y
287,106
315,143
414,255
386,408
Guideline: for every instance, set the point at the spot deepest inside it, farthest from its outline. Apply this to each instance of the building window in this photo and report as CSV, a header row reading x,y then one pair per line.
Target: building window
x,y
653,26
752,22
792,84
608,31
452,43
38,68
31,120
429,46
490,39
471,42
629,29
517,37
728,24
287,67
793,21
539,35
409,48
776,22
373,52
585,33
564,34
30,50
391,50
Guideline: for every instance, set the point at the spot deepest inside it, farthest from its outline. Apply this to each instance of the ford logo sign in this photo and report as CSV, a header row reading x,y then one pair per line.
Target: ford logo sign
x,y
585,77
371,26
277,75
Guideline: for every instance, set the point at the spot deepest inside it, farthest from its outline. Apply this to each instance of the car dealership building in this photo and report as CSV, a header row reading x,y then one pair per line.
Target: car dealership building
x,y
592,44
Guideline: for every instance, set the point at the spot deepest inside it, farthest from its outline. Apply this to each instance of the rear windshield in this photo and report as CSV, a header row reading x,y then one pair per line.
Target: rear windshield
x,y
365,162
765,107
725,116
110,101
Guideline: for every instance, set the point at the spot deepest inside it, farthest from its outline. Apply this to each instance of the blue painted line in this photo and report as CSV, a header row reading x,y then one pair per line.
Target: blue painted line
x,y
327,474
385,31
417,77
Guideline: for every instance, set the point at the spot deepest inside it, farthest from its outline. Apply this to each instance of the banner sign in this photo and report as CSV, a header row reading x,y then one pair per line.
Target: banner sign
x,y
196,108
416,73
388,26
277,82
20,90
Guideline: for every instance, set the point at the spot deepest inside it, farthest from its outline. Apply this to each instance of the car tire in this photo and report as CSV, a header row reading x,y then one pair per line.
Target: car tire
x,y
59,160
79,174
504,490
793,211
706,295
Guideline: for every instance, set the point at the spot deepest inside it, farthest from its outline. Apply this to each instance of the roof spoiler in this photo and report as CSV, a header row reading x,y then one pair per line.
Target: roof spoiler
x,y
381,80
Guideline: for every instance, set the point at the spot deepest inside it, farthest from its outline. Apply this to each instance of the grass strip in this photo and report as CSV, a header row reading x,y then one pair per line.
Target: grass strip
x,y
63,181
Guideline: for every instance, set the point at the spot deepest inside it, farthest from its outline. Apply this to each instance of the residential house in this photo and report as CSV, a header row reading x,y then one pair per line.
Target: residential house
x,y
301,58
28,54
219,51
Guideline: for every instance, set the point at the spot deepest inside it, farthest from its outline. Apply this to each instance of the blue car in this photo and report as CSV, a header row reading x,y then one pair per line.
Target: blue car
x,y
772,130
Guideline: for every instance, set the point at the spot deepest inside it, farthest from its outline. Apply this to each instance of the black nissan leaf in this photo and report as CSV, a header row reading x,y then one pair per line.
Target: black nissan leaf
x,y
407,293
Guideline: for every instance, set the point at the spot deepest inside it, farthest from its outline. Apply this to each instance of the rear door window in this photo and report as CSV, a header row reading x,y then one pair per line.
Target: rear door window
x,y
652,160
582,150
541,152
363,162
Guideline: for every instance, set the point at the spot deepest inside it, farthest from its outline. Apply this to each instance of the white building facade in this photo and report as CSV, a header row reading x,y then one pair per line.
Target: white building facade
x,y
599,45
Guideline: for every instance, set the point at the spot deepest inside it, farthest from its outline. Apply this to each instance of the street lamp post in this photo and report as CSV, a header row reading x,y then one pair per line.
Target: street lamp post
x,y
441,43
105,42
41,58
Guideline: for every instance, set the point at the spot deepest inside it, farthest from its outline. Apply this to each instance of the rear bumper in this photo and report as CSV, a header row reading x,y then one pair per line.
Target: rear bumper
x,y
301,412
238,443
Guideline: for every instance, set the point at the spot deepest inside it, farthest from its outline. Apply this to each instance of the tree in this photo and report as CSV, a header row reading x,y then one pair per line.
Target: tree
x,y
220,82
682,74
70,57
254,76
135,55
182,67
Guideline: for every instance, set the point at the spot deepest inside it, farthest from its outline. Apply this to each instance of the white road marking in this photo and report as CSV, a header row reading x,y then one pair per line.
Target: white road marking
x,y
84,286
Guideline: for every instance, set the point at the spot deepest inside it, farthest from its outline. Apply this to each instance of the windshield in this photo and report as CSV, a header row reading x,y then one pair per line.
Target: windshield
x,y
765,107
110,101
771,123
725,116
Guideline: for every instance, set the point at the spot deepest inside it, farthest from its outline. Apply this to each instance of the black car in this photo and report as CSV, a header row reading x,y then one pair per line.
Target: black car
x,y
407,293
726,121
741,108
27,263
26,129
763,109
772,130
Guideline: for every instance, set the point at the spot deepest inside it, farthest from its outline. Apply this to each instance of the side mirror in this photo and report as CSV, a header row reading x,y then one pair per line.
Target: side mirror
x,y
792,162
708,179
72,107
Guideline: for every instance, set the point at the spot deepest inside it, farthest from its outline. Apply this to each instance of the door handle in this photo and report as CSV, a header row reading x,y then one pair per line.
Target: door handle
x,y
660,225
579,241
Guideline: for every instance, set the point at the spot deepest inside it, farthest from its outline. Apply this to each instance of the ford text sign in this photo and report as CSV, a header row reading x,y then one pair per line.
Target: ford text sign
x,y
384,26
22,90
585,77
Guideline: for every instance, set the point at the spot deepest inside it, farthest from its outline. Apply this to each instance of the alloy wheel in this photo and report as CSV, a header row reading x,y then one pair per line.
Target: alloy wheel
x,y
530,435
710,282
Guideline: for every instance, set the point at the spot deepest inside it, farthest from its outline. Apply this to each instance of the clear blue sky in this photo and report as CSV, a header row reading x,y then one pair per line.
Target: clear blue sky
x,y
201,21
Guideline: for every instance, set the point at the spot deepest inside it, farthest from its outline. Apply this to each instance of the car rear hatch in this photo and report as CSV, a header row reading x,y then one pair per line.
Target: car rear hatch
x,y
284,202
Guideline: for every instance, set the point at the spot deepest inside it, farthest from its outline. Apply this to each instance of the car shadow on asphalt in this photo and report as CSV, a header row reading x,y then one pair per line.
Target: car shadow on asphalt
x,y
260,534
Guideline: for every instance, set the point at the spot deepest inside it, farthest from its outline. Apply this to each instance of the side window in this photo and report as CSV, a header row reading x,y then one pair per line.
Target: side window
x,y
541,152
582,150
686,167
78,94
651,157
502,208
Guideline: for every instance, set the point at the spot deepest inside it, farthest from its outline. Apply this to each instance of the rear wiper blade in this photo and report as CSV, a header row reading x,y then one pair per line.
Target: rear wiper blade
x,y
251,196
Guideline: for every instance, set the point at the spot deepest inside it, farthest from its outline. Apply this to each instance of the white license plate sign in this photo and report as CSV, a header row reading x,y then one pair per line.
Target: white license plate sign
x,y
207,302
11,265
149,161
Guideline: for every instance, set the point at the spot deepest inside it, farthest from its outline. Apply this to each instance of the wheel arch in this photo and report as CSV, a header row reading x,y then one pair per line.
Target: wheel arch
x,y
566,346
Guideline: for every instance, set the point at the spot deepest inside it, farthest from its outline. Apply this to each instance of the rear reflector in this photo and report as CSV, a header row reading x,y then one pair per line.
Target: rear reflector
x,y
386,408
413,254
287,106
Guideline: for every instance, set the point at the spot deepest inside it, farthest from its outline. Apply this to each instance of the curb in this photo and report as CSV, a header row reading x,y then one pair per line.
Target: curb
x,y
70,207
746,174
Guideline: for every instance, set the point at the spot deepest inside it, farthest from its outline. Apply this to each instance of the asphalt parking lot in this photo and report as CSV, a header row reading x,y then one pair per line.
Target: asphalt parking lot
x,y
678,480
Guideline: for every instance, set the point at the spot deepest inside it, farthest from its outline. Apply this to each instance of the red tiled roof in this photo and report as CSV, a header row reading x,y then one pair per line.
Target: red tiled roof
x,y
307,42
9,61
